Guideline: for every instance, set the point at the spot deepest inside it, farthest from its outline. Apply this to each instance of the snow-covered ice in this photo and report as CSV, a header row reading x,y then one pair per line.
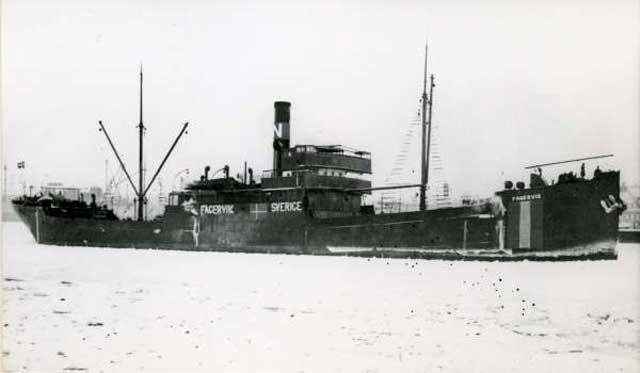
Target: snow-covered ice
x,y
118,310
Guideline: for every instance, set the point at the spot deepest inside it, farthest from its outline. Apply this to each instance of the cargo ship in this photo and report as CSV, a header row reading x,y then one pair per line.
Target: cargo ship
x,y
312,202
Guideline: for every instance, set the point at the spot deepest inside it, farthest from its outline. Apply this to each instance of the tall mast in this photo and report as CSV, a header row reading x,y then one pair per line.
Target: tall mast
x,y
426,178
141,191
140,165
424,163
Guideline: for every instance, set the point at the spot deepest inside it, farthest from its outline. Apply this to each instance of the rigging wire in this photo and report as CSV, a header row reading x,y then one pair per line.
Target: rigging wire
x,y
439,189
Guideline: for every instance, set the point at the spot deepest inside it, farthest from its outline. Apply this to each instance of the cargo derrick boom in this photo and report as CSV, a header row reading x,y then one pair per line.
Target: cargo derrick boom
x,y
141,191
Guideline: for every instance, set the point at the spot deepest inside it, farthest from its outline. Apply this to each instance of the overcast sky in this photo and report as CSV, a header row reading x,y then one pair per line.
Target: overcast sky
x,y
517,83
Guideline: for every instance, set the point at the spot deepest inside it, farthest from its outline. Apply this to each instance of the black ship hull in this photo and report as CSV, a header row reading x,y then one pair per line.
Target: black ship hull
x,y
576,220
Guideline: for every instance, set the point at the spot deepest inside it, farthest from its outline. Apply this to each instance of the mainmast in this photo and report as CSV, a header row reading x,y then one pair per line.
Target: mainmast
x,y
424,164
426,133
141,196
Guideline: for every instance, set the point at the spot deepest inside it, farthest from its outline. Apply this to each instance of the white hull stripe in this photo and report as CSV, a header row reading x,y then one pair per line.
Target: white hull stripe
x,y
525,225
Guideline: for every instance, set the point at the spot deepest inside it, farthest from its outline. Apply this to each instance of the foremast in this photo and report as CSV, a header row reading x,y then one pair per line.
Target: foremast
x,y
141,197
141,191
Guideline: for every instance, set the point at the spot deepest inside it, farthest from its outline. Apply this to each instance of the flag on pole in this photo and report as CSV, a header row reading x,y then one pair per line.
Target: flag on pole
x,y
21,164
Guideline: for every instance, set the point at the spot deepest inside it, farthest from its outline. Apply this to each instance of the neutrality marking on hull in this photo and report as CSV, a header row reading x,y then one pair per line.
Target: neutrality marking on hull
x,y
524,241
286,206
216,209
258,208
526,197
